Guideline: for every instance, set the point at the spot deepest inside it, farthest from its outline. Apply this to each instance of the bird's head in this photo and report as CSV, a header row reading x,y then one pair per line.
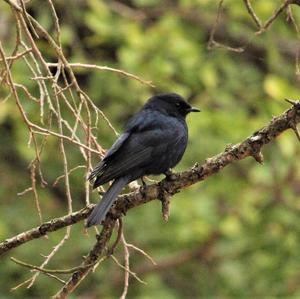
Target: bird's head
x,y
171,104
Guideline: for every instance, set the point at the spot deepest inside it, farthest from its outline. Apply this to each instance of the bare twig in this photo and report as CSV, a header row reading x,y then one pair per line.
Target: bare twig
x,y
211,42
252,13
70,171
127,269
274,16
43,270
33,188
142,252
18,55
105,68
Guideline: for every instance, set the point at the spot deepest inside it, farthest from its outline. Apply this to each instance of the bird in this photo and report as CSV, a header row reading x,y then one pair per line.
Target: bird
x,y
153,142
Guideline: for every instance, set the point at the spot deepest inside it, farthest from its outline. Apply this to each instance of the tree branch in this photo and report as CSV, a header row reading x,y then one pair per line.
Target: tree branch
x,y
43,229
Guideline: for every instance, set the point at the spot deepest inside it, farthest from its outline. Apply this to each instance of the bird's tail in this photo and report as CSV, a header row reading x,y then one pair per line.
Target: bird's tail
x,y
102,208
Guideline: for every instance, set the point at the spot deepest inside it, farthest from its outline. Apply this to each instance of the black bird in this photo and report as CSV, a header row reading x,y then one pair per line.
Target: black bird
x,y
153,142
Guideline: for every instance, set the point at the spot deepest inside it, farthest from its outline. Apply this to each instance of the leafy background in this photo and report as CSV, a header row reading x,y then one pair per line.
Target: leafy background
x,y
239,229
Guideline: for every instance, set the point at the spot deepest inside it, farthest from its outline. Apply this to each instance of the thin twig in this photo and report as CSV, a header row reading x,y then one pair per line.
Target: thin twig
x,y
211,42
106,68
274,16
18,55
128,270
43,270
252,13
142,252
70,171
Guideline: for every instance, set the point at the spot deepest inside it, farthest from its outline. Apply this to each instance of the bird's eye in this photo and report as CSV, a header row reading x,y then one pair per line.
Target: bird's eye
x,y
177,104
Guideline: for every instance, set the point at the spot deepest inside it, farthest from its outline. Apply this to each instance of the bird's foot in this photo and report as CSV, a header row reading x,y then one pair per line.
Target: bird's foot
x,y
169,174
133,186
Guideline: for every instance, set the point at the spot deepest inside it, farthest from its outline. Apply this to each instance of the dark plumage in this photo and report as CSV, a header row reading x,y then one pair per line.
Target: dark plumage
x,y
154,141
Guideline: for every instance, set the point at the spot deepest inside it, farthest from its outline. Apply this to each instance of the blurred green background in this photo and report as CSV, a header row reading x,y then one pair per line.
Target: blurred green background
x,y
235,235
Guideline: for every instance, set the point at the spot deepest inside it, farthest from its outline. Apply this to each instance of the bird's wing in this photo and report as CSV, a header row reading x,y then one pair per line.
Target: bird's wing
x,y
132,156
118,143
139,121
115,147
128,158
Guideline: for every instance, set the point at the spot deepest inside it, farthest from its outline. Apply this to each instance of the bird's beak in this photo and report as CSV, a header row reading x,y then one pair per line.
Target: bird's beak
x,y
194,109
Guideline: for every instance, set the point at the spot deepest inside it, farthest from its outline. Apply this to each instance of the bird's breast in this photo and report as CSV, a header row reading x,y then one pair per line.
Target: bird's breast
x,y
170,150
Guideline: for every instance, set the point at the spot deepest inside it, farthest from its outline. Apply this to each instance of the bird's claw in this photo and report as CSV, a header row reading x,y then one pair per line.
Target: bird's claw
x,y
169,174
